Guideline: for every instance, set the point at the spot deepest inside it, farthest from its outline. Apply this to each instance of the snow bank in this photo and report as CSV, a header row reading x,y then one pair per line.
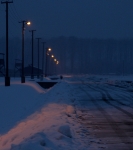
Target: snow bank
x,y
38,141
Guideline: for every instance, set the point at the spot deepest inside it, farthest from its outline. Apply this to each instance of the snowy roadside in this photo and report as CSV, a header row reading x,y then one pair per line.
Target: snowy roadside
x,y
34,118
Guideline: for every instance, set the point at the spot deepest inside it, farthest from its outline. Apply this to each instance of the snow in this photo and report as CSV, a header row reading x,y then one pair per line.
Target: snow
x,y
65,130
70,110
33,118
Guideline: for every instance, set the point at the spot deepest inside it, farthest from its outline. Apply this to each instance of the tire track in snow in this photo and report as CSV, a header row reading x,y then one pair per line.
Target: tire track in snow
x,y
108,118
107,97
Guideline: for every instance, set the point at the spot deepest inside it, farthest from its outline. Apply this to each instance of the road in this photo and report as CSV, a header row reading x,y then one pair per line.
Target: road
x,y
107,112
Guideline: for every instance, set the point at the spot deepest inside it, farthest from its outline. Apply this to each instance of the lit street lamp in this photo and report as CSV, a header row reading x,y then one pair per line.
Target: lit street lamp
x,y
38,57
43,58
23,27
47,50
54,63
7,78
32,74
57,62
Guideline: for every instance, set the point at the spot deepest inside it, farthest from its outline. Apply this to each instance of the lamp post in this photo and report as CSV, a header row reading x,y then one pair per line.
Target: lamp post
x,y
38,58
43,58
47,50
52,56
32,74
57,62
52,64
23,27
7,78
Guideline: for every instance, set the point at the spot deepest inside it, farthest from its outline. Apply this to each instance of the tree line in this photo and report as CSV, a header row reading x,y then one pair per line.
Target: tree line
x,y
78,55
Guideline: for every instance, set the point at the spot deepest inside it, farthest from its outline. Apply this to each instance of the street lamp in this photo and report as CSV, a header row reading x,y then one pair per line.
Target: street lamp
x,y
38,58
54,65
23,27
43,58
47,50
7,78
32,74
57,62
28,23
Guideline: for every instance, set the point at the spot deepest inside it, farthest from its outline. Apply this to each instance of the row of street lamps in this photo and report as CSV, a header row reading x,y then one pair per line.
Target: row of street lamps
x,y
48,50
55,61
24,22
32,66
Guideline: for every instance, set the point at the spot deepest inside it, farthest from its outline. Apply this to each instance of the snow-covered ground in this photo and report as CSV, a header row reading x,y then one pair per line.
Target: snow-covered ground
x,y
33,118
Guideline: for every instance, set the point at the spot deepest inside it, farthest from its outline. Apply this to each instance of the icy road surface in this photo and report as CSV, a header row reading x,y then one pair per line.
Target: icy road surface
x,y
105,108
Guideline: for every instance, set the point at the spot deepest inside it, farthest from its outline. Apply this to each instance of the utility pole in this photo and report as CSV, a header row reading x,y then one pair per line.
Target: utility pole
x,y
22,74
32,74
46,57
43,57
46,62
7,78
22,68
38,58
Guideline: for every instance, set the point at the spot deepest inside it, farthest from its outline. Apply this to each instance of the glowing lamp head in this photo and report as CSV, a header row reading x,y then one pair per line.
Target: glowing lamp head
x,y
28,23
52,56
54,59
49,49
57,62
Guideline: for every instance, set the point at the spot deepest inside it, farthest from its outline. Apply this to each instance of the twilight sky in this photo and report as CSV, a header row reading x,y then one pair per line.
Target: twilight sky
x,y
80,18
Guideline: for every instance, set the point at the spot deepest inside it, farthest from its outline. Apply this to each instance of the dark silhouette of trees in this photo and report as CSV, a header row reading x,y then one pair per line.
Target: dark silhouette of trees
x,y
78,55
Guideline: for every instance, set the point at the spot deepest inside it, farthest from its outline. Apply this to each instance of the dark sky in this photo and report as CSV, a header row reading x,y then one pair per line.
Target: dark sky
x,y
80,18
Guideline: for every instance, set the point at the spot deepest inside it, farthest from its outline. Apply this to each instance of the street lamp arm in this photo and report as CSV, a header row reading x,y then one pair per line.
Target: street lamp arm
x,y
31,30
24,21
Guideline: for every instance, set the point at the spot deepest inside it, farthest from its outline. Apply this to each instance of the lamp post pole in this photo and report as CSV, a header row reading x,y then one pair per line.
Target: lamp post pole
x,y
7,78
32,73
55,66
46,62
47,50
22,76
43,58
22,72
38,58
